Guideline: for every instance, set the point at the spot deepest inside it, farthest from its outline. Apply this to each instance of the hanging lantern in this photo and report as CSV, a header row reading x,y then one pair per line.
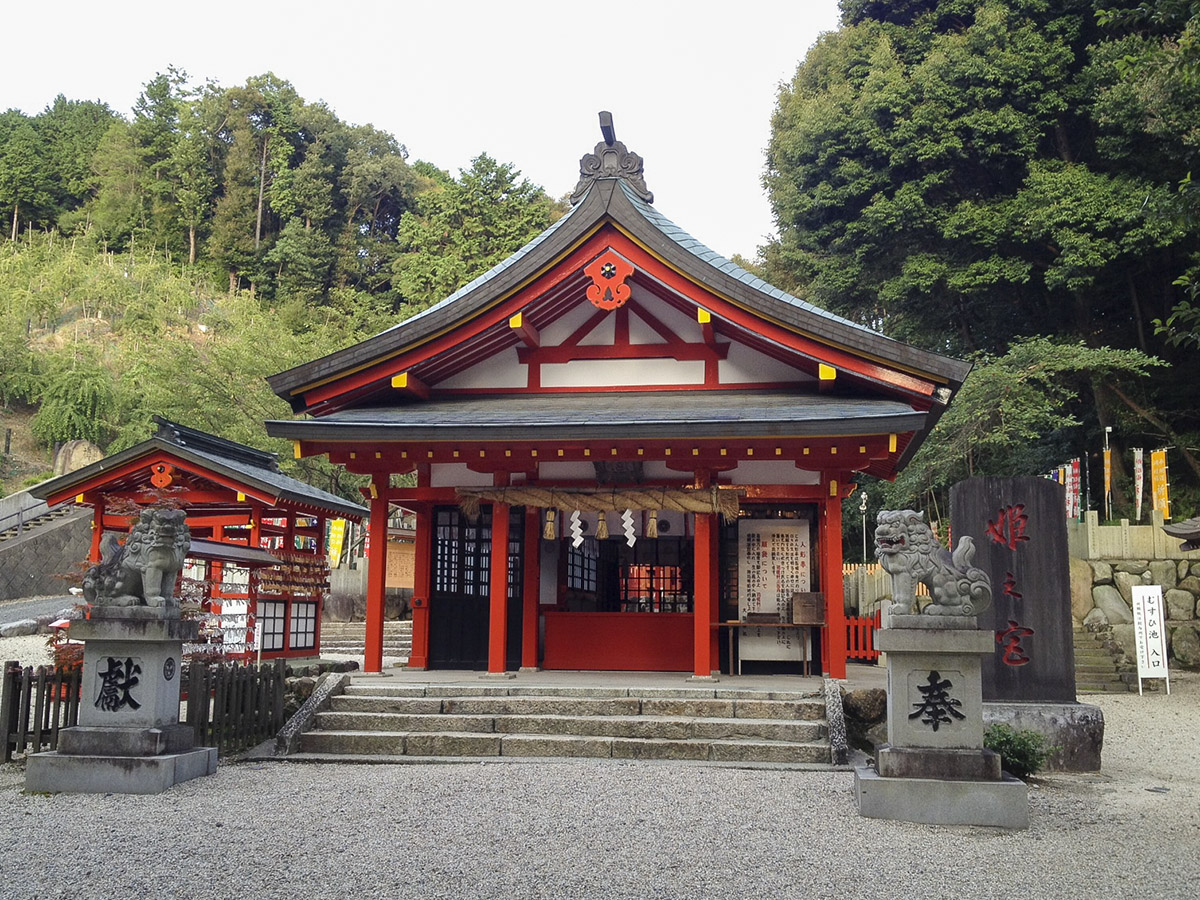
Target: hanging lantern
x,y
602,527
652,525
548,531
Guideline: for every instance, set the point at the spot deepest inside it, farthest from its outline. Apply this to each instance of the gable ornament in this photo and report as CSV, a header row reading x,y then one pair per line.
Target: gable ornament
x,y
611,159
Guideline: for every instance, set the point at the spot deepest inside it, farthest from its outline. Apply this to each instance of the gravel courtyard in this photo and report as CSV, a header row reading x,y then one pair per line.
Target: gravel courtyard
x,y
598,829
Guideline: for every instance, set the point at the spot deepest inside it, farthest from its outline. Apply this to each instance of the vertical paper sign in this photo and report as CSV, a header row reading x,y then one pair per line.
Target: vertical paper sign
x,y
1158,483
1150,633
337,538
1139,480
773,563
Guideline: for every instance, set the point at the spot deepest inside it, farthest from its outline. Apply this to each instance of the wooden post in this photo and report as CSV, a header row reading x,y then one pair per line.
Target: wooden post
x,y
97,530
833,647
377,530
532,588
498,591
704,605
422,582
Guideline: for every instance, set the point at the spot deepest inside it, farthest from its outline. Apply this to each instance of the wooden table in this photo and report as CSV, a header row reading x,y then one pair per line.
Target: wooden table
x,y
733,626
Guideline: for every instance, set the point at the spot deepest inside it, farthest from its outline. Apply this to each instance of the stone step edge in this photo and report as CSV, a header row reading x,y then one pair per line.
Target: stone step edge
x,y
647,719
517,737
380,759
525,692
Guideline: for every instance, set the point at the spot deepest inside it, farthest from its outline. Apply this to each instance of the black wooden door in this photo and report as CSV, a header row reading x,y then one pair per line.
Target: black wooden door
x,y
459,601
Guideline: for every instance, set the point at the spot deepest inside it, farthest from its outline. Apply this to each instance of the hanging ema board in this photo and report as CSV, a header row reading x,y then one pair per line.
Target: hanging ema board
x,y
773,563
1150,634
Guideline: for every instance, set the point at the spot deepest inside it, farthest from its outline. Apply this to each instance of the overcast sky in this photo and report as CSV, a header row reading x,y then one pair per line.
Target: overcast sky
x,y
691,85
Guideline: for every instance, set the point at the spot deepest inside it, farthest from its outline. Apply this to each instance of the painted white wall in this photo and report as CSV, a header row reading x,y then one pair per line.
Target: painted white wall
x,y
501,371
623,373
457,475
743,365
771,471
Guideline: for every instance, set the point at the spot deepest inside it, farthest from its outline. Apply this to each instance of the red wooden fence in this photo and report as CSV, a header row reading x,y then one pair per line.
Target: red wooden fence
x,y
860,636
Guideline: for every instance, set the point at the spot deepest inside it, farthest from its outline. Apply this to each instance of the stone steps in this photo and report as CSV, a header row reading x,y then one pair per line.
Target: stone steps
x,y
1097,666
52,515
349,638
371,723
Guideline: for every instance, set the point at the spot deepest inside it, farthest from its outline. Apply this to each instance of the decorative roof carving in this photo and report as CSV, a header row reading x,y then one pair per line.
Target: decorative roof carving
x,y
611,159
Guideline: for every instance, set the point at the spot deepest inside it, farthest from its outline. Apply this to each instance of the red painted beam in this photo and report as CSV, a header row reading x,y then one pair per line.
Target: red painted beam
x,y
498,592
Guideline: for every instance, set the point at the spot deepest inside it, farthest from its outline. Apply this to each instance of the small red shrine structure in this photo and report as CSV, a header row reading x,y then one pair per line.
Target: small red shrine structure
x,y
658,440
258,536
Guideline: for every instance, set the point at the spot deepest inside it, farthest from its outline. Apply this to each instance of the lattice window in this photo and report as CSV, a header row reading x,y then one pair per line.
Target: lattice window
x,y
302,633
582,563
269,624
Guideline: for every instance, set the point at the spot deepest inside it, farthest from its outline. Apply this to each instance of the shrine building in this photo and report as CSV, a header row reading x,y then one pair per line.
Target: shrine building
x,y
659,441
257,561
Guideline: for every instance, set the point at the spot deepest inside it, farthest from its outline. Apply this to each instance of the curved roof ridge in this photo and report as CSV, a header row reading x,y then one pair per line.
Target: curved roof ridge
x,y
711,257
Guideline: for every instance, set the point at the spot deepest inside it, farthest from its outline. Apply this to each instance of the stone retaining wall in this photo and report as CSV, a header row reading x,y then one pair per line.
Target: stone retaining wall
x,y
1102,594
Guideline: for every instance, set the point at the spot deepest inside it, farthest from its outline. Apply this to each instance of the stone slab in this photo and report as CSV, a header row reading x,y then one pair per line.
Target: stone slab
x,y
1020,536
933,640
1075,729
996,804
130,683
959,765
85,740
133,624
935,700
55,773
932,621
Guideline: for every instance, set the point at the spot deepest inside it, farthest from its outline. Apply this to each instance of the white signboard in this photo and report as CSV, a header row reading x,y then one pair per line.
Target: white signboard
x,y
773,563
1150,633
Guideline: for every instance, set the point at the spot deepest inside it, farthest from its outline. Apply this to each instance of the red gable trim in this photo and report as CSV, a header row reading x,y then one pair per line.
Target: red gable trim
x,y
337,393
142,464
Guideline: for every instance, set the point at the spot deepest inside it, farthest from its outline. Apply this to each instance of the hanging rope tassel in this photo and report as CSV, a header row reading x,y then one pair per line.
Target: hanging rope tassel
x,y
652,525
602,528
548,531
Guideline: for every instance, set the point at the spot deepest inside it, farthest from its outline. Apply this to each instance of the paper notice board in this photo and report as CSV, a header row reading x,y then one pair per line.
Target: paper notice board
x,y
773,562
1150,634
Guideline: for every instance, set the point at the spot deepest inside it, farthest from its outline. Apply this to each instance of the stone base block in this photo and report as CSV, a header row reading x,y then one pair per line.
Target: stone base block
x,y
958,765
1075,729
57,773
999,804
100,740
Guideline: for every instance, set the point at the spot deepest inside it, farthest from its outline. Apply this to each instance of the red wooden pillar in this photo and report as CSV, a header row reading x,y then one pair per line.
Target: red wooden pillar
x,y
97,529
422,583
704,605
377,530
498,590
531,590
833,647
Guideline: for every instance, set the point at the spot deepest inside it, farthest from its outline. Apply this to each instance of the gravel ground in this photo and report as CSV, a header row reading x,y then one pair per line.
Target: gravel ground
x,y
596,829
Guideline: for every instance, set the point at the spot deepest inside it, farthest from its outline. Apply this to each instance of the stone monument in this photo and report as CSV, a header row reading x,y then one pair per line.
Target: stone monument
x,y
934,768
128,739
1029,675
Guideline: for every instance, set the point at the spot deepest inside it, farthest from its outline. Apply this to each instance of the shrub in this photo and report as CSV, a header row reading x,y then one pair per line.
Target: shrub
x,y
1022,753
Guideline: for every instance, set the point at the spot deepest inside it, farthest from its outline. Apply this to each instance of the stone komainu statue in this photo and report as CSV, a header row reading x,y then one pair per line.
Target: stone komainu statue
x,y
144,570
909,552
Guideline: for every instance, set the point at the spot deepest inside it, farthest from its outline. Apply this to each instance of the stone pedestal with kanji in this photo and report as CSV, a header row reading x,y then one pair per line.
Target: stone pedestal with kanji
x,y
128,739
934,768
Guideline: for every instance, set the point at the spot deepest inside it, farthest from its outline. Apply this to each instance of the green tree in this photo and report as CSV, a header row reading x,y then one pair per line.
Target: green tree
x,y
25,186
462,228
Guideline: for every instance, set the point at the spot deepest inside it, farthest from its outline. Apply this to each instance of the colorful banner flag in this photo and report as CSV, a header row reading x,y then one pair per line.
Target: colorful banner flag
x,y
1073,486
1139,479
1107,483
1159,489
337,540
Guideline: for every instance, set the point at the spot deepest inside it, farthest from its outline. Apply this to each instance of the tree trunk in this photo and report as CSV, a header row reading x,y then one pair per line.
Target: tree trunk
x,y
16,206
191,245
1162,426
233,282
262,186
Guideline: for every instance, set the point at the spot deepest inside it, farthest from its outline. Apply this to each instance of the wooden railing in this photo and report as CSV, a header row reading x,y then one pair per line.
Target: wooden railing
x,y
229,707
234,707
34,705
860,636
